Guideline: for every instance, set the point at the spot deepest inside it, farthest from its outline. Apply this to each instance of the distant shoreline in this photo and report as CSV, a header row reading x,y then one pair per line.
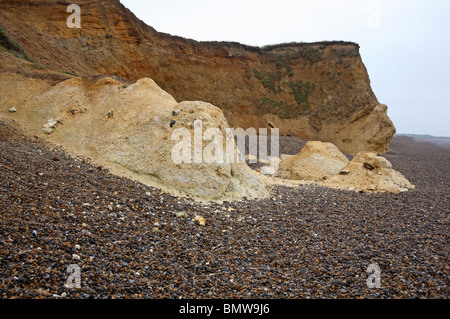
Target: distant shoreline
x,y
442,141
422,136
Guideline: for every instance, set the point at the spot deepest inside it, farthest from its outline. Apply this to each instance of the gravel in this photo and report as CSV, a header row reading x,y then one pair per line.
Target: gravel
x,y
130,241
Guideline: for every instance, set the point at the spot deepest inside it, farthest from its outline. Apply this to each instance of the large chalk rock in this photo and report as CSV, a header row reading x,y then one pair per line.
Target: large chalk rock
x,y
131,128
369,172
316,161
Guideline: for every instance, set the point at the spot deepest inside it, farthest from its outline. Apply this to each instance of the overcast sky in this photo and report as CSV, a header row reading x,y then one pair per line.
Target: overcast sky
x,y
405,44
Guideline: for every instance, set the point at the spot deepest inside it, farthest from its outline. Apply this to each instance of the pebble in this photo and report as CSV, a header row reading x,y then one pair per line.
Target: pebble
x,y
200,220
12,110
181,214
76,257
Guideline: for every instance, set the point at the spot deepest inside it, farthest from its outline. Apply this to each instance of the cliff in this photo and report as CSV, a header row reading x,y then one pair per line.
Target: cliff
x,y
317,91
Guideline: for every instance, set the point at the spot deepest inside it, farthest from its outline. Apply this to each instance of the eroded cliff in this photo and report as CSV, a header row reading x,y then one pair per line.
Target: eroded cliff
x,y
318,91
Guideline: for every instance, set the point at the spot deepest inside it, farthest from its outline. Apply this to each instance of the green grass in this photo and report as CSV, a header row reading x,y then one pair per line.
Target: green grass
x,y
280,108
321,44
10,45
288,55
268,79
69,72
283,57
301,91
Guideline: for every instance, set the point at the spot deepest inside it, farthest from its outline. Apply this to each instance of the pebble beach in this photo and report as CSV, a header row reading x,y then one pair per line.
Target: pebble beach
x,y
130,240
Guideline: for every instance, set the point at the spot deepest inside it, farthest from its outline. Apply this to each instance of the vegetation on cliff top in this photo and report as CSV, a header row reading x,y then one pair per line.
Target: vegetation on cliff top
x,y
323,44
283,56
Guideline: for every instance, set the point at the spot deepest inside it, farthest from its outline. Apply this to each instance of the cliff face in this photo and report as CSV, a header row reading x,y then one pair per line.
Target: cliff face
x,y
318,91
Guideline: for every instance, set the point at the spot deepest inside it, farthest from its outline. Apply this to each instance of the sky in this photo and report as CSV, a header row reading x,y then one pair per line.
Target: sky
x,y
405,44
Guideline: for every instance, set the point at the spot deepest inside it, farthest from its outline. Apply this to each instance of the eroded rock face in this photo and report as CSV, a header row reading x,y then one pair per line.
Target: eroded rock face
x,y
369,172
317,91
138,137
316,161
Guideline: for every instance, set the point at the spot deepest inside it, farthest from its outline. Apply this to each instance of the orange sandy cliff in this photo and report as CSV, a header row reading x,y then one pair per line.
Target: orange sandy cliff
x,y
317,91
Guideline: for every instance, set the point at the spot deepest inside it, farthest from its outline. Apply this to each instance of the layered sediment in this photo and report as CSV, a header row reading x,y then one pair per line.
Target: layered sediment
x,y
316,91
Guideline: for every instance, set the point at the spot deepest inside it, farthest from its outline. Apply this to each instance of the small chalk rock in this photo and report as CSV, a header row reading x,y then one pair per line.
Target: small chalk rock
x,y
50,126
181,214
12,110
76,257
200,220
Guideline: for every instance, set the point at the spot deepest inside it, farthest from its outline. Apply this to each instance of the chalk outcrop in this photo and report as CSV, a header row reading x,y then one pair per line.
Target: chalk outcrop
x,y
138,138
369,172
316,161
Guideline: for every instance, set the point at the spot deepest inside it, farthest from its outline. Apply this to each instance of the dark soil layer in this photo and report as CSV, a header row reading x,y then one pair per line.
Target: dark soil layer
x,y
303,242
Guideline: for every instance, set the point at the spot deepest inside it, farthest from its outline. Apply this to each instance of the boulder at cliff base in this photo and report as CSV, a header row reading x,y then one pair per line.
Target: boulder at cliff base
x,y
368,172
316,161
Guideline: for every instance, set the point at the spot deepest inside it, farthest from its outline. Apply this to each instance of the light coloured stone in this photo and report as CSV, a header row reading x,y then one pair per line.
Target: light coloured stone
x,y
76,257
181,214
369,172
138,142
268,170
50,126
316,161
200,220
